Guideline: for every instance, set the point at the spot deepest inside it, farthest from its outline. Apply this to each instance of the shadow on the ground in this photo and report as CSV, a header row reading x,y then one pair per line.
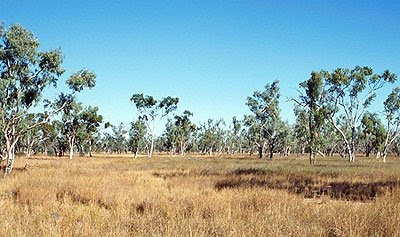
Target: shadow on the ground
x,y
307,186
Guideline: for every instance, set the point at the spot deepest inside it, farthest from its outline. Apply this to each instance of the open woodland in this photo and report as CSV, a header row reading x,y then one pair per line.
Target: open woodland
x,y
67,171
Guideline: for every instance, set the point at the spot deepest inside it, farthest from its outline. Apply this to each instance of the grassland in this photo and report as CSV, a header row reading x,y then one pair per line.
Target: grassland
x,y
200,196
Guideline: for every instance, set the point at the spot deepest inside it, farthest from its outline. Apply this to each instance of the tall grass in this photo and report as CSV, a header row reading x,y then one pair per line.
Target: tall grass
x,y
176,196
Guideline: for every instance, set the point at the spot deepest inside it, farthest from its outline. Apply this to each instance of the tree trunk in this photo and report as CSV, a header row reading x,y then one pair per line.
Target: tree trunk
x,y
346,142
71,147
28,148
367,150
28,153
11,142
10,162
384,154
151,147
384,157
271,151
90,149
388,142
313,157
71,152
352,153
45,149
260,151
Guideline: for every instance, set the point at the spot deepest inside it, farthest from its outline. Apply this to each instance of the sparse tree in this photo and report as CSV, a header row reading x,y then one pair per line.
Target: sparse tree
x,y
211,136
25,73
71,123
373,133
392,114
152,112
184,130
119,138
311,100
349,93
301,129
91,122
265,107
137,136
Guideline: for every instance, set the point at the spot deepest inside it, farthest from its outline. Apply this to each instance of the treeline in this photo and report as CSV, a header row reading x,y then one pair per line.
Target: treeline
x,y
332,115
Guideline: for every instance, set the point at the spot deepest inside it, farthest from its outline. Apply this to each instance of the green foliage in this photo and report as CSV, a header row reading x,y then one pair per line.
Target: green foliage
x,y
312,101
265,104
349,92
152,111
91,120
301,129
392,112
137,136
81,80
25,72
392,105
211,136
150,108
119,138
373,130
266,119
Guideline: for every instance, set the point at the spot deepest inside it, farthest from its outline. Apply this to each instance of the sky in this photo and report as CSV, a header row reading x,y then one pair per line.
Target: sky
x,y
210,54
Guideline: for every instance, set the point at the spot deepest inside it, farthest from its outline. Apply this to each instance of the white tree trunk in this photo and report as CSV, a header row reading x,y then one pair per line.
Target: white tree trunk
x,y
71,147
10,162
151,147
11,142
346,142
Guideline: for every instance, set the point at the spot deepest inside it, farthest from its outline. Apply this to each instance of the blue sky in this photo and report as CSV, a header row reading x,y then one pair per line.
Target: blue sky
x,y
211,54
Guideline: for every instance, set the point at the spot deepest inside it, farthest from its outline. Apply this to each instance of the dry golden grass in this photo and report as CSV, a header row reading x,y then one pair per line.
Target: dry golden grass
x,y
199,196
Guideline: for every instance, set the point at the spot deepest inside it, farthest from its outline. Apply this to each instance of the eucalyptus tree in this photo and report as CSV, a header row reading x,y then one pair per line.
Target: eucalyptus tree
x,y
32,137
82,140
91,121
25,72
236,138
211,136
252,134
60,142
373,133
48,133
106,142
301,129
275,135
71,124
169,139
286,139
349,93
329,140
312,101
152,112
78,124
119,139
266,116
245,144
72,116
137,136
184,130
392,114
